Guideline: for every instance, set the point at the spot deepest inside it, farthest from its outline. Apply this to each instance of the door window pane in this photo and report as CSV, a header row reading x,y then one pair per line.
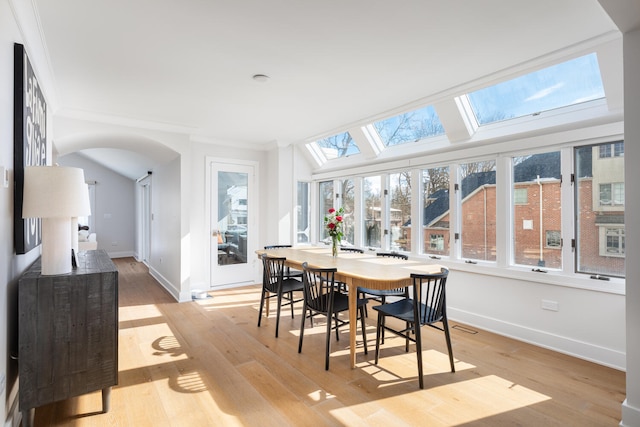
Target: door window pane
x,y
302,213
537,218
325,203
232,217
349,226
478,210
400,211
600,209
372,211
435,211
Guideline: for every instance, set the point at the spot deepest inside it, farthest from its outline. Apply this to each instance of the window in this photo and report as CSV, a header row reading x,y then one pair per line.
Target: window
x,y
599,186
436,242
537,210
410,127
337,146
520,196
554,239
372,226
435,210
478,210
400,211
611,150
348,204
325,203
558,86
302,213
612,194
614,241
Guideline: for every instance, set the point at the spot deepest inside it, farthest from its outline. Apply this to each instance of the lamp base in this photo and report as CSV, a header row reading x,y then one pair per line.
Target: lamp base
x,y
56,246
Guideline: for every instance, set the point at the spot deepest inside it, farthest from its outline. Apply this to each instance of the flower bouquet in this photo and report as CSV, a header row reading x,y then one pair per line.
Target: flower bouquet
x,y
333,223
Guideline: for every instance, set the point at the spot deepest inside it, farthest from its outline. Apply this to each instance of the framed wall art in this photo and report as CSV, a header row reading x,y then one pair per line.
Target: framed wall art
x,y
29,144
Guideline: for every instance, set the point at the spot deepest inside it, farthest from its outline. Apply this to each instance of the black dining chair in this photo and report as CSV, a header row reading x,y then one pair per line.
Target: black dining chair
x,y
428,306
288,272
276,285
321,296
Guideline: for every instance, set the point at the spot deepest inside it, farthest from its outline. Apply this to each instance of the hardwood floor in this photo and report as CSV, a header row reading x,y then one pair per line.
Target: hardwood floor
x,y
206,363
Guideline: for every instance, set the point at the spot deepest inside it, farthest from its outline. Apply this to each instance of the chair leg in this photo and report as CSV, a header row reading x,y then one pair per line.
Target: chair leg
x,y
328,343
335,317
445,323
406,340
378,327
304,316
261,305
383,300
278,316
291,302
416,327
364,328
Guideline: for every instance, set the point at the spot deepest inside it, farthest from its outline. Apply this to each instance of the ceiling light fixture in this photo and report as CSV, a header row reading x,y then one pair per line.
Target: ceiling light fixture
x,y
262,78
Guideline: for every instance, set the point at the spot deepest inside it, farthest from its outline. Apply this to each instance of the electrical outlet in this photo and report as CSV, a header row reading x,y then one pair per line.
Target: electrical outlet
x,y
549,305
3,382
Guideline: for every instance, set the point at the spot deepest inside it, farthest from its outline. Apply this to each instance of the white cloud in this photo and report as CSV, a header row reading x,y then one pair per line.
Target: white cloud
x,y
544,92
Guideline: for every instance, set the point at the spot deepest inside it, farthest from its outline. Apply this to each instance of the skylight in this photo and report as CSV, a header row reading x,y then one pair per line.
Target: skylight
x,y
410,127
337,146
561,85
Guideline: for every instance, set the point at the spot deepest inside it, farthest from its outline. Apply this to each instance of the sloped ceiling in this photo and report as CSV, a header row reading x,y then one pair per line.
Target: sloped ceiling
x,y
190,63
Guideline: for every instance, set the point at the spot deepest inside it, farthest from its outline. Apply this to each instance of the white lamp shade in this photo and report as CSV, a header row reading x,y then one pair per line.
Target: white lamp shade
x,y
55,192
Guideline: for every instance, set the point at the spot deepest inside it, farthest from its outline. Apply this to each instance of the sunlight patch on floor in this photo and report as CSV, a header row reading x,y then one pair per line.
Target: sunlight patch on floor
x,y
137,312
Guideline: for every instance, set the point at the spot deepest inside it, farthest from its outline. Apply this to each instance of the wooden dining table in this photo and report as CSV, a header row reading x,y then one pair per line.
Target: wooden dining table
x,y
356,270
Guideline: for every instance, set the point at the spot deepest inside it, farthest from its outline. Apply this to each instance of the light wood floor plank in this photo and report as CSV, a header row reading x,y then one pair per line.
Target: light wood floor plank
x,y
206,363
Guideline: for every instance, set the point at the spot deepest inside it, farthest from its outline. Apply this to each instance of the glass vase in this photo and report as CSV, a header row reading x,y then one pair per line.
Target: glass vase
x,y
334,247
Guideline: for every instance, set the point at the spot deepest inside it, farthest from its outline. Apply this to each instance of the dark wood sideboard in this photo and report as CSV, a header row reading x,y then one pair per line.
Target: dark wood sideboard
x,y
68,333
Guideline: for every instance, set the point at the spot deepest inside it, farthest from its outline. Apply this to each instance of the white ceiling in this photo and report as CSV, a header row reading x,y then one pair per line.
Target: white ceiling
x,y
331,63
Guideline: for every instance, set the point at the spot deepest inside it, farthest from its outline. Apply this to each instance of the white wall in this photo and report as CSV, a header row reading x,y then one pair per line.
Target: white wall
x,y
165,256
631,406
114,214
588,324
11,265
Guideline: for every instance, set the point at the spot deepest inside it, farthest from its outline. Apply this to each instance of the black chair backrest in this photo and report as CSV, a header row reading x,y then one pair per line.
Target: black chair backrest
x,y
392,255
273,272
319,287
348,249
429,290
276,246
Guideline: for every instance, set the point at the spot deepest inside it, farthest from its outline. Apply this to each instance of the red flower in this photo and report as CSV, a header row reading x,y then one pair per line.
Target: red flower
x,y
332,210
339,218
331,225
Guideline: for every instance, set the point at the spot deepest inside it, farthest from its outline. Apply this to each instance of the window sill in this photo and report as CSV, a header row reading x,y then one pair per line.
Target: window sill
x,y
552,277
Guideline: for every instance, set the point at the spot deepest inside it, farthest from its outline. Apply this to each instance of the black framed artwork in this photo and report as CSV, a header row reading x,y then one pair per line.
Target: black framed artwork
x,y
29,144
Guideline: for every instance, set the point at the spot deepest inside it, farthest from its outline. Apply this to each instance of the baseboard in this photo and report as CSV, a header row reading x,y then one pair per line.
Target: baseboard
x,y
175,293
630,415
122,254
582,350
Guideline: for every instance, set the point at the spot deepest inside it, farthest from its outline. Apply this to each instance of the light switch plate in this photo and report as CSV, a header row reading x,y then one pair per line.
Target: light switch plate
x,y
4,176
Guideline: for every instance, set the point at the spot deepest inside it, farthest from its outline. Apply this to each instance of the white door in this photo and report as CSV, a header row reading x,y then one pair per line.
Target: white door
x,y
232,207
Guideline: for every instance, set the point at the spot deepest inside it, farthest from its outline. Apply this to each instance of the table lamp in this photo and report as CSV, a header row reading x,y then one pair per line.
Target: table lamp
x,y
55,194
